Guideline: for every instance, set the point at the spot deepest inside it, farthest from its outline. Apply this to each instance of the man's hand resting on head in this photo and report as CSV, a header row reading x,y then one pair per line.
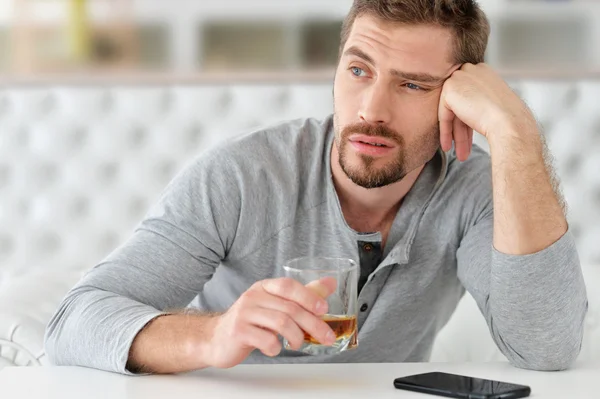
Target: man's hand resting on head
x,y
475,97
183,342
529,210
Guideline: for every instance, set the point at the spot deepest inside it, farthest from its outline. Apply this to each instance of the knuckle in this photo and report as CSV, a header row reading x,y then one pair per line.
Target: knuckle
x,y
257,286
285,285
321,327
236,331
273,343
244,301
312,324
239,329
237,325
450,84
292,309
282,322
249,297
251,294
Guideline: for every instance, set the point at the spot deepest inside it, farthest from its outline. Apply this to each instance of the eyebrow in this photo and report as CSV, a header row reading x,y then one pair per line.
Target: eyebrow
x,y
418,77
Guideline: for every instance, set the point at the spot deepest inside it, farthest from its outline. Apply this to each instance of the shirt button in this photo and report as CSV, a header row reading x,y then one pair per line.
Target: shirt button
x,y
367,247
364,307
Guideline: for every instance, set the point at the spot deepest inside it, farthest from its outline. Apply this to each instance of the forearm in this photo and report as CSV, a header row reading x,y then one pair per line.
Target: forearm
x,y
537,295
537,306
172,344
528,212
534,305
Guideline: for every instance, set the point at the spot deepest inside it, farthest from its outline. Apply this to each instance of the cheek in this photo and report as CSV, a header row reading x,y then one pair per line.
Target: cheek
x,y
344,100
417,122
418,112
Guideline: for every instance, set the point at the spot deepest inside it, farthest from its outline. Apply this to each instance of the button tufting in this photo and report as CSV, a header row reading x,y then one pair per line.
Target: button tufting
x,y
79,137
107,103
167,101
571,97
4,105
6,245
109,241
137,207
282,100
47,242
194,136
45,174
166,170
79,208
107,172
138,138
572,165
24,207
23,137
225,102
48,104
4,175
596,130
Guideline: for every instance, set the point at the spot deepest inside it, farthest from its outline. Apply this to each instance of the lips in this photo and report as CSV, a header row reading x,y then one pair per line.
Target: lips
x,y
371,149
375,141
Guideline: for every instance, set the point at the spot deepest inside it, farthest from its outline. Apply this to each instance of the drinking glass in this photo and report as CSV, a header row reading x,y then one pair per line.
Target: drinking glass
x,y
343,309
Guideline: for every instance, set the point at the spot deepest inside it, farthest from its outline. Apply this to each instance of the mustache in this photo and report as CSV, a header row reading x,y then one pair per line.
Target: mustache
x,y
372,130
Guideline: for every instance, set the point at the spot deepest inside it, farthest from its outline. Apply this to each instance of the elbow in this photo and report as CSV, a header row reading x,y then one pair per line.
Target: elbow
x,y
63,331
548,362
553,345
557,356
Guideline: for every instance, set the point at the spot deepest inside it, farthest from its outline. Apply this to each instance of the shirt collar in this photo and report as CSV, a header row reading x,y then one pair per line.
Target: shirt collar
x,y
409,215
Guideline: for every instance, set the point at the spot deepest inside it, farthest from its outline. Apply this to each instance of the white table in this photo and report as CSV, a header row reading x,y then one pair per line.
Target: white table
x,y
365,381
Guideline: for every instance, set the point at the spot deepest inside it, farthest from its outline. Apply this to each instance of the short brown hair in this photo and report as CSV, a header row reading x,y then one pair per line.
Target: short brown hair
x,y
464,17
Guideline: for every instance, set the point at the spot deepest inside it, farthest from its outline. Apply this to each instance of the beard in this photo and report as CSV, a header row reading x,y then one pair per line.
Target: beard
x,y
366,173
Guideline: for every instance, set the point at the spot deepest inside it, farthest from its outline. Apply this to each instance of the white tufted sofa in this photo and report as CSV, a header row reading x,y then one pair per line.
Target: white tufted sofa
x,y
79,166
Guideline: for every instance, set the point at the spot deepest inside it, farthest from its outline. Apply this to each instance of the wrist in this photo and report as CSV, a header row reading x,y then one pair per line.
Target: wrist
x,y
199,346
511,129
521,139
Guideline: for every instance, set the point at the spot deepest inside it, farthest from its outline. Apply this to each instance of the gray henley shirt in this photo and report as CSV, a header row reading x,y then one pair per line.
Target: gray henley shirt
x,y
236,213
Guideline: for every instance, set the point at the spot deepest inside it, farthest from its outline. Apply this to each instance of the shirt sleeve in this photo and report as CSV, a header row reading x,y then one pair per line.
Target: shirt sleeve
x,y
165,263
534,305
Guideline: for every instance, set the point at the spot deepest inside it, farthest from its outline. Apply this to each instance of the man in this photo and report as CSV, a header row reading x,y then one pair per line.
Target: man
x,y
370,183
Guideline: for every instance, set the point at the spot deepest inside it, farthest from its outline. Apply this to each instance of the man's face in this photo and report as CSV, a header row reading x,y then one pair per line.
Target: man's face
x,y
386,96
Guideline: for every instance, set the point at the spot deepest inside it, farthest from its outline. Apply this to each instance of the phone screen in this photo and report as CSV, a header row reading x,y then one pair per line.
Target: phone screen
x,y
459,386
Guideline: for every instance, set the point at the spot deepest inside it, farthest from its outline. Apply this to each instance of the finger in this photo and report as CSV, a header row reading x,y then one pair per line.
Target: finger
x,y
263,340
470,140
323,287
293,290
280,323
446,118
304,320
461,139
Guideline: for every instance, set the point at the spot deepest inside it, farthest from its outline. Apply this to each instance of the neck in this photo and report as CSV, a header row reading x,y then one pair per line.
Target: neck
x,y
368,210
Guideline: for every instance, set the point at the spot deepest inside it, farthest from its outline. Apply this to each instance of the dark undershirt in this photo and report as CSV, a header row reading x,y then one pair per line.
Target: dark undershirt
x,y
370,257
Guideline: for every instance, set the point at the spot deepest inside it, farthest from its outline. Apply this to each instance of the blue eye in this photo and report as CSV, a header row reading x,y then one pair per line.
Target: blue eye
x,y
356,71
413,86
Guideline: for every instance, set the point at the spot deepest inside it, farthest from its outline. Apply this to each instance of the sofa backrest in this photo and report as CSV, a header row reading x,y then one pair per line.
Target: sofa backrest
x,y
80,165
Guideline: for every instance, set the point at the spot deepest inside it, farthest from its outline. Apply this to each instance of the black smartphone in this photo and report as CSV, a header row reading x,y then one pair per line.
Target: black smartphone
x,y
460,386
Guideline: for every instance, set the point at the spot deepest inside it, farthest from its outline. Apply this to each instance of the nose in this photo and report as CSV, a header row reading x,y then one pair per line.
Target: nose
x,y
375,107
